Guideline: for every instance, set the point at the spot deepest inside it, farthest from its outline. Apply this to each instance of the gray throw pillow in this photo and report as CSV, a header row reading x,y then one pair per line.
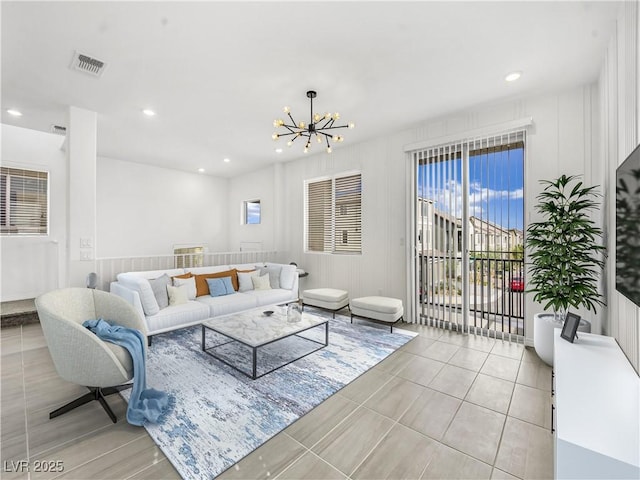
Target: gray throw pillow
x,y
274,275
159,287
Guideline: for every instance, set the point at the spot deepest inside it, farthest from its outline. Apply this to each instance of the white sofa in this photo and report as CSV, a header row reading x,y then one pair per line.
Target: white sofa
x,y
136,289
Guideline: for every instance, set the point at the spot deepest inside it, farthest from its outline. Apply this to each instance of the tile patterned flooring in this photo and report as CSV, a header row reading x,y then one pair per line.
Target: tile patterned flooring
x,y
443,406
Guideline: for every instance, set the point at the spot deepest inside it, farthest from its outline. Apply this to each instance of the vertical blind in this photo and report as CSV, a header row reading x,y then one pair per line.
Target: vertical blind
x,y
24,198
334,215
469,233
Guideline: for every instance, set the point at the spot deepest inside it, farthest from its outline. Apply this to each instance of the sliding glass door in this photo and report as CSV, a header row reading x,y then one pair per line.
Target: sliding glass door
x,y
469,235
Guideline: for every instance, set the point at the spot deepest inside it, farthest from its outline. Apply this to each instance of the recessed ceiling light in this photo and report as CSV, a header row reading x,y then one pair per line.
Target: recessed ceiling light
x,y
201,170
513,76
148,112
226,160
278,150
14,112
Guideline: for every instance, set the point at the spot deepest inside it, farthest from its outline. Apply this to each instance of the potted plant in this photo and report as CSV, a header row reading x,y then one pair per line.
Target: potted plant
x,y
565,256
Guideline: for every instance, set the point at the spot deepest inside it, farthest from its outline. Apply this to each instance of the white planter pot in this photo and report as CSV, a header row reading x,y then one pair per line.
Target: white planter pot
x,y
543,326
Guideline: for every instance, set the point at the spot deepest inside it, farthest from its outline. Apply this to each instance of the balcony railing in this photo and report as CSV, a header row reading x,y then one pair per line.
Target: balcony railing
x,y
495,293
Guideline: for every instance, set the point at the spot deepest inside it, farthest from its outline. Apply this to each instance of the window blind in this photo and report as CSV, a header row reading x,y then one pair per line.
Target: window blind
x,y
24,199
334,215
319,200
348,214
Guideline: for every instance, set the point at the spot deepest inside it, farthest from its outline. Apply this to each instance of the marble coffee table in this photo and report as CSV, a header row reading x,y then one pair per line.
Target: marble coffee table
x,y
255,330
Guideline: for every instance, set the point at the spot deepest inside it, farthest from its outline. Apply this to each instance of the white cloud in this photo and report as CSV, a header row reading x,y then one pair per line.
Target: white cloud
x,y
449,198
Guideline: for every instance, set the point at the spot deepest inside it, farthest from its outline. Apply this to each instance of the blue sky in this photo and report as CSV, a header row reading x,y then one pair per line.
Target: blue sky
x,y
496,182
253,212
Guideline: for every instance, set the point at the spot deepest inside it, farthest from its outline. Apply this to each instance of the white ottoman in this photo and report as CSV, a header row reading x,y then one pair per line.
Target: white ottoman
x,y
330,299
377,309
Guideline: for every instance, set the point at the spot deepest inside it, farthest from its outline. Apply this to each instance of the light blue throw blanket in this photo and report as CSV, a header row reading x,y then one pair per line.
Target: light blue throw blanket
x,y
145,404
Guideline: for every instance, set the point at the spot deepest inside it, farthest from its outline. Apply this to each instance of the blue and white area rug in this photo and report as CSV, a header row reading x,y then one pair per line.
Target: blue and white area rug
x,y
222,415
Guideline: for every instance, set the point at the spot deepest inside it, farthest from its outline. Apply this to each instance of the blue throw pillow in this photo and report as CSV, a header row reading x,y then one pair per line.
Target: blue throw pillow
x,y
220,286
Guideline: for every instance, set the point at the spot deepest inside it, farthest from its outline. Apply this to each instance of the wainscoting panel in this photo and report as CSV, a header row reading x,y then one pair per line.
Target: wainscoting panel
x,y
620,104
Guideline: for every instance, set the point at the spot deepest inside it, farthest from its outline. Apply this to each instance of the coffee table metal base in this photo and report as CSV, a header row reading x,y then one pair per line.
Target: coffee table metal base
x,y
254,350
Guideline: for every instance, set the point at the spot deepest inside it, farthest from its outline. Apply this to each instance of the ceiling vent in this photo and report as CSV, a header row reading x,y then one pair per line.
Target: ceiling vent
x,y
58,129
87,64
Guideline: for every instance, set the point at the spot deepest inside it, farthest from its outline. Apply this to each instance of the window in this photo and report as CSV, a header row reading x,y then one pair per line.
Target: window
x,y
334,215
252,212
24,202
187,257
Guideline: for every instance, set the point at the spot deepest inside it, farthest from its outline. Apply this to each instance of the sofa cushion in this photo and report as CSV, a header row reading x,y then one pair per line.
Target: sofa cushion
x,y
177,316
220,286
178,295
202,270
287,275
189,282
244,280
271,296
226,304
143,287
247,267
159,287
274,274
184,275
202,286
261,282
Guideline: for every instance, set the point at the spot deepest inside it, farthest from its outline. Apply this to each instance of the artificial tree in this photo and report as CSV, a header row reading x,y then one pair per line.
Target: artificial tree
x,y
565,253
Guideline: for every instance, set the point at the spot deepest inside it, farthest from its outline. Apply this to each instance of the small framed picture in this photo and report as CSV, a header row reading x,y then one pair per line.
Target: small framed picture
x,y
570,327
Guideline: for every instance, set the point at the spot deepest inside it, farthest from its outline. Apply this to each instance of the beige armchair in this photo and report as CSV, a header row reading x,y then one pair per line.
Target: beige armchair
x,y
78,354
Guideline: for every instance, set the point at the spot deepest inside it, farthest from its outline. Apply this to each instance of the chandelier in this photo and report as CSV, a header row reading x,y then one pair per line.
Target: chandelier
x,y
319,127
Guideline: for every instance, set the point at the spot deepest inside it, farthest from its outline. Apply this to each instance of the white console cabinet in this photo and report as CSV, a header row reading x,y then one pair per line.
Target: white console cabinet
x,y
597,410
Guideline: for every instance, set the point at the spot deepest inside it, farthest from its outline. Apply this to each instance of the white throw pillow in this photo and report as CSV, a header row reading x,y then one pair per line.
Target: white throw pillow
x,y
261,283
190,283
244,280
177,295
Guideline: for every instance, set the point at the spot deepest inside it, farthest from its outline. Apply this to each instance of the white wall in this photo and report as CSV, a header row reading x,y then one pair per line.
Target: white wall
x,y
33,265
561,141
260,185
146,210
620,131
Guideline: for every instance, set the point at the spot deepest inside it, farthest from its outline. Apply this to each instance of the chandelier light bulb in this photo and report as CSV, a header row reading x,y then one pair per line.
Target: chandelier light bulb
x,y
334,138
327,115
289,143
305,150
301,125
286,110
275,136
316,117
352,125
336,116
328,149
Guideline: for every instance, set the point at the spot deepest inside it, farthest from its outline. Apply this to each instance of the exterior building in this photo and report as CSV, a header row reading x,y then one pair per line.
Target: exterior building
x,y
439,232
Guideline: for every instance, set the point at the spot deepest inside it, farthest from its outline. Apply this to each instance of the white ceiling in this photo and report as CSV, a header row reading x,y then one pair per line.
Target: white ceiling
x,y
218,73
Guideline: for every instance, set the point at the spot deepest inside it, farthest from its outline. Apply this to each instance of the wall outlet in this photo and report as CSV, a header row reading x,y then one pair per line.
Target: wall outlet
x,y
86,242
86,255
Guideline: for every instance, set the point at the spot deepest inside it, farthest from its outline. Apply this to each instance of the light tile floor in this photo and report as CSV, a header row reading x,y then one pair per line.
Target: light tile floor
x,y
444,406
